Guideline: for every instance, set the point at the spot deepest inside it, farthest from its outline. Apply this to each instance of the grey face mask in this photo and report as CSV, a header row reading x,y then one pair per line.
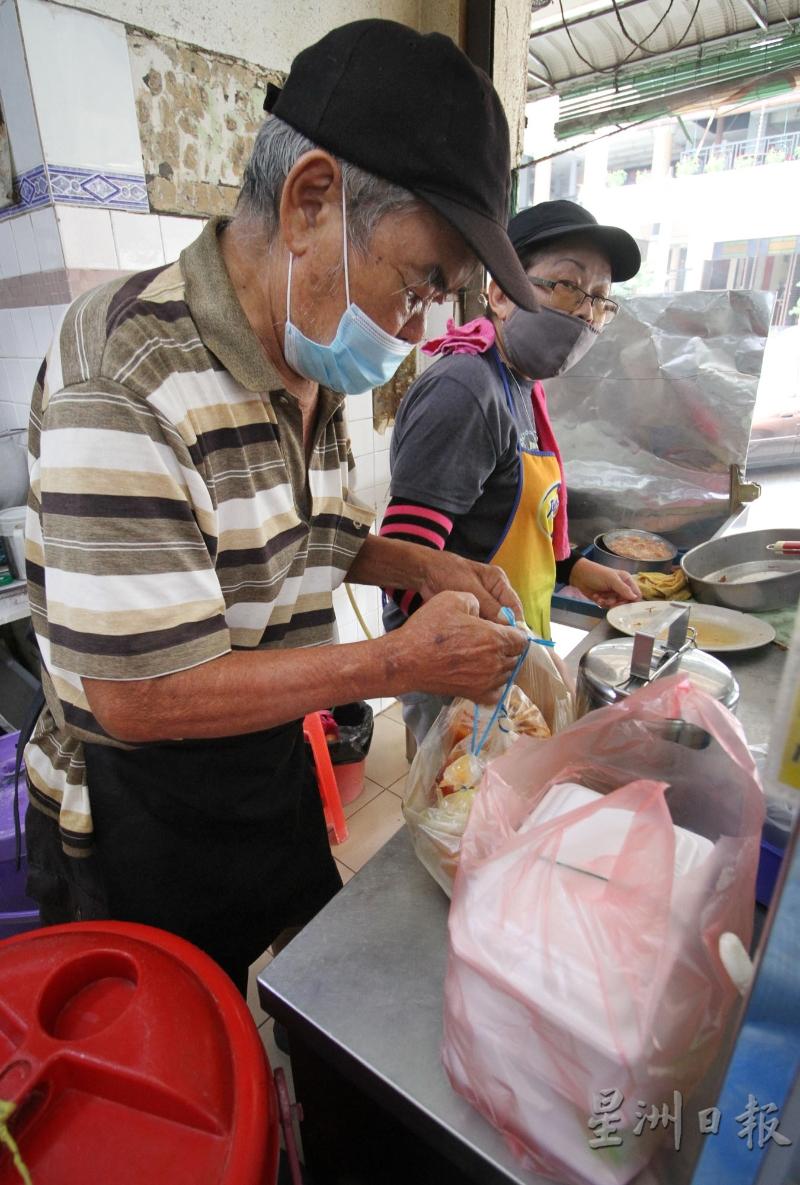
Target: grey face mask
x,y
544,344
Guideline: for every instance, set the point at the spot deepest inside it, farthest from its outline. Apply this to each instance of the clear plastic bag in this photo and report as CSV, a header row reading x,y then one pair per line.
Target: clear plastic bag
x,y
437,824
584,945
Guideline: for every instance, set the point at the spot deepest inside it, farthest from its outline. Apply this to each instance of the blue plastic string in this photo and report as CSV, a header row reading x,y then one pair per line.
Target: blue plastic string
x,y
500,706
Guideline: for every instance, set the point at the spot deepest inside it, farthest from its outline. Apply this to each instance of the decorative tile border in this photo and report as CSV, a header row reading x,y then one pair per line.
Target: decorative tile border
x,y
90,187
33,191
78,187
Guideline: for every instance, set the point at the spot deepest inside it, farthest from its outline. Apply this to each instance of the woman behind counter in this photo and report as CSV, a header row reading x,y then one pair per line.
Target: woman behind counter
x,y
475,465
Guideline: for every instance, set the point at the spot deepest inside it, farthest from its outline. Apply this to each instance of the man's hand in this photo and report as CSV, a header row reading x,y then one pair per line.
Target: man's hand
x,y
446,649
605,586
446,572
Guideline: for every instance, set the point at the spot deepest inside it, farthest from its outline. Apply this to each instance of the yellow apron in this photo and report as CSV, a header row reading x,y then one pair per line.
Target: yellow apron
x,y
525,551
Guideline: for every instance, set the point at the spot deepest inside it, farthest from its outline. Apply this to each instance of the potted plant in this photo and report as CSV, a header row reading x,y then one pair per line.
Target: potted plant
x,y
716,164
686,166
616,177
775,156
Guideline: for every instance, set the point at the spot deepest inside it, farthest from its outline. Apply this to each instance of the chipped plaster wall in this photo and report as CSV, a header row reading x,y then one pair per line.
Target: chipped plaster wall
x,y
198,109
198,113
268,34
511,28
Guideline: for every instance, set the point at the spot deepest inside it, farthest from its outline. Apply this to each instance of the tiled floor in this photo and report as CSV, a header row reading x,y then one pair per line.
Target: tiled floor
x,y
372,820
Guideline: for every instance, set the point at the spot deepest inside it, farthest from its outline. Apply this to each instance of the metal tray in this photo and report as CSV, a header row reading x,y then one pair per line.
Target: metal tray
x,y
734,555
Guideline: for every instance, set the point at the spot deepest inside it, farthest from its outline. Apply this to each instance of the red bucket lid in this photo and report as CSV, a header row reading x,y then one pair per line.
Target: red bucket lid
x,y
131,1058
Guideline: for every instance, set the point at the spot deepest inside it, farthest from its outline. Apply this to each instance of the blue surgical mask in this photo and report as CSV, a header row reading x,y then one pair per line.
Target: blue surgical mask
x,y
361,355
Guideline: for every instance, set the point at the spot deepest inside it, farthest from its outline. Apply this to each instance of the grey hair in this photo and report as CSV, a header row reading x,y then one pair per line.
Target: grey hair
x,y
277,149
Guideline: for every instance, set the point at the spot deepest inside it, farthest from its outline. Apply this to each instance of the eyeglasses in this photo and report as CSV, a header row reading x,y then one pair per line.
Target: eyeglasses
x,y
568,298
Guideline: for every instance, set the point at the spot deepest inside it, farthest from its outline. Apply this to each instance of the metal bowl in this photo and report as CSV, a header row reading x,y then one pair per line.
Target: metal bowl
x,y
601,554
778,588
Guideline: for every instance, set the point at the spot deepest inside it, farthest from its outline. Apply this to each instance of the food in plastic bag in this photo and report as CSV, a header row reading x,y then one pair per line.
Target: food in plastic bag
x,y
597,874
445,774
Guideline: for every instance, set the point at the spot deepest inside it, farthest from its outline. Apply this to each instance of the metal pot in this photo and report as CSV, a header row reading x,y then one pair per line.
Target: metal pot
x,y
778,587
601,553
13,467
604,674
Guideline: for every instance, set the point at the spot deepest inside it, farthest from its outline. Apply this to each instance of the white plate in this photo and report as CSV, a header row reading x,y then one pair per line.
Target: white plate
x,y
718,629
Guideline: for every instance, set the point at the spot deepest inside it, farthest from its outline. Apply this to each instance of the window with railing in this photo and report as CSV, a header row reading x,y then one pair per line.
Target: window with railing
x,y
740,154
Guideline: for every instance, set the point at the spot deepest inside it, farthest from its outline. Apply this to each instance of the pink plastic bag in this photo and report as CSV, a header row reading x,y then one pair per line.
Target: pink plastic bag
x,y
584,949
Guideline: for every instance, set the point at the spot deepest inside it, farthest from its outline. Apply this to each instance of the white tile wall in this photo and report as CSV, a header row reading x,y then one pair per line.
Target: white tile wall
x,y
48,240
14,380
26,333
362,438
364,478
138,240
82,87
23,333
25,243
12,415
25,337
359,407
9,260
177,233
15,91
382,468
86,237
383,440
57,312
7,337
42,326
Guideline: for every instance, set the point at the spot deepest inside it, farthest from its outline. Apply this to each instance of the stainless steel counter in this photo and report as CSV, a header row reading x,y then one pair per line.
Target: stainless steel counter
x,y
361,987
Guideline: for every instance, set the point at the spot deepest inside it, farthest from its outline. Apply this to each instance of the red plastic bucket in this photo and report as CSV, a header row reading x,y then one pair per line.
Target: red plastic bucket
x,y
350,779
131,1059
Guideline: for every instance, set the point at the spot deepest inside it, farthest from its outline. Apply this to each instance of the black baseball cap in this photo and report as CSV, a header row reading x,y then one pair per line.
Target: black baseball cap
x,y
546,221
411,108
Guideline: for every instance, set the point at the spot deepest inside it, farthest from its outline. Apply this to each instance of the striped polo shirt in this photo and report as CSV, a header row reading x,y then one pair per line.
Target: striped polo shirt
x,y
172,516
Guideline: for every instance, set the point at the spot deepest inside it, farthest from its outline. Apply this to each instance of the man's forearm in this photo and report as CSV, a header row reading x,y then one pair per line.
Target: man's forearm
x,y
390,562
244,691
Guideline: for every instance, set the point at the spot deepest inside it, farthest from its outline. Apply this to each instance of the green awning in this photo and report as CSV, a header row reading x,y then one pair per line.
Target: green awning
x,y
757,68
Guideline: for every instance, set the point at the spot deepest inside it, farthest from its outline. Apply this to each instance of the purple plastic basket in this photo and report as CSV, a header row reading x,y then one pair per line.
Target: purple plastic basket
x,y
17,911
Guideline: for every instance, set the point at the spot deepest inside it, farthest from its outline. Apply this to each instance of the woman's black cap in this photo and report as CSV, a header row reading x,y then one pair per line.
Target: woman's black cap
x,y
412,108
547,221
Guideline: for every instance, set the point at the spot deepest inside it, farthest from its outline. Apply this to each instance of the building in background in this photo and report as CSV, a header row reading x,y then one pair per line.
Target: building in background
x,y
712,199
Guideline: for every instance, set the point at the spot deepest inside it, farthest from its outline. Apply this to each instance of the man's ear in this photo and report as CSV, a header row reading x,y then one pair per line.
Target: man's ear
x,y
311,197
499,303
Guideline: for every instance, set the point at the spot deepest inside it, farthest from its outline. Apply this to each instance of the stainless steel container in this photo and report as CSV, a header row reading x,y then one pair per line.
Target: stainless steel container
x,y
601,554
778,587
605,670
13,467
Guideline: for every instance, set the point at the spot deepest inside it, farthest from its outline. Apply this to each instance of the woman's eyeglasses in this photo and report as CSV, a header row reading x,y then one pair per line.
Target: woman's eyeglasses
x,y
568,298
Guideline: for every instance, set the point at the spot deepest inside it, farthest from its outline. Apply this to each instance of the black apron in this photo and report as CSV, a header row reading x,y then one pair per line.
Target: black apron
x,y
220,841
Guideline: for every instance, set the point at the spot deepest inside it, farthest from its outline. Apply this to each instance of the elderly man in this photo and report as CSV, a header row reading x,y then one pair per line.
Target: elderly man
x,y
190,510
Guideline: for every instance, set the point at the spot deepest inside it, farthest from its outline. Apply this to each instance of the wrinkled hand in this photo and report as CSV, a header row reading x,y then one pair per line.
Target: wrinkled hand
x,y
605,586
446,572
445,648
